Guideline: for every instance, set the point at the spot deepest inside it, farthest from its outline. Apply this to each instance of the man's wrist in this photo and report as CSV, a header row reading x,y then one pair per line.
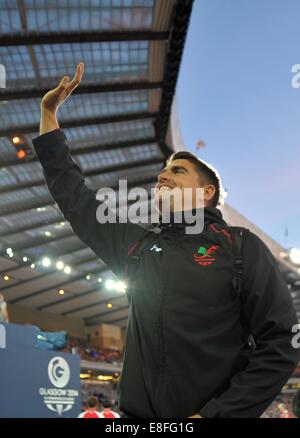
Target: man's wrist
x,y
48,120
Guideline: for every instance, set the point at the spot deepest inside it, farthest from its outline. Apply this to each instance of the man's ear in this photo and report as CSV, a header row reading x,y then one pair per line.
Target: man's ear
x,y
209,192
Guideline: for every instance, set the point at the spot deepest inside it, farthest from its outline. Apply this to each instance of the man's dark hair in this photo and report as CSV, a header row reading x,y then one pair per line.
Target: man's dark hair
x,y
91,402
106,404
204,171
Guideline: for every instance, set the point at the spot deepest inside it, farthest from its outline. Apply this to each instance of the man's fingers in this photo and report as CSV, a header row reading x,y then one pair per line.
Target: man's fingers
x,y
80,70
64,82
77,77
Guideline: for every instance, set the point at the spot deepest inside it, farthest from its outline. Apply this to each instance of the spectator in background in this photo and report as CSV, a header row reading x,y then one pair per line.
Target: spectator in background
x,y
108,412
284,412
3,310
91,409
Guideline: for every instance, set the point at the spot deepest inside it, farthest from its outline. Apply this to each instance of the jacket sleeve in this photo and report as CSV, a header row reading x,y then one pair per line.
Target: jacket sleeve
x,y
79,205
270,312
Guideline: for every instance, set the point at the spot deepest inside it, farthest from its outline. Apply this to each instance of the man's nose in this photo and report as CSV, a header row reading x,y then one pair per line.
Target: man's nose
x,y
163,177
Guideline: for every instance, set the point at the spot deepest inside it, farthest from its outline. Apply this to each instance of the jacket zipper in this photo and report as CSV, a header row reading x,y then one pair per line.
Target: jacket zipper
x,y
161,355
161,343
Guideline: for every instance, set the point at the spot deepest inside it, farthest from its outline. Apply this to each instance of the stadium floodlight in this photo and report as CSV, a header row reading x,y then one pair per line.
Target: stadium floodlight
x,y
120,286
295,255
60,265
46,262
110,284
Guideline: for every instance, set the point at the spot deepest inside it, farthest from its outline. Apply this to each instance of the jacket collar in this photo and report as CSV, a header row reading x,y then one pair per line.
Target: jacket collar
x,y
211,215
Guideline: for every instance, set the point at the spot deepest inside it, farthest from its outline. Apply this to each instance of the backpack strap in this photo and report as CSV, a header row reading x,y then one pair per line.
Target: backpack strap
x,y
239,236
135,253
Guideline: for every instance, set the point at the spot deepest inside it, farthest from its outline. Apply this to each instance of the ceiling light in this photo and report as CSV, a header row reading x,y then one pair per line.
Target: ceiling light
x,y
109,284
109,306
6,277
46,262
32,265
25,259
84,376
21,154
16,140
60,265
67,270
61,292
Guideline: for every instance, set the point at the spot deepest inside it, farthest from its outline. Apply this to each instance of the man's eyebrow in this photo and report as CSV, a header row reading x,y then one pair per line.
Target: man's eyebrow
x,y
176,167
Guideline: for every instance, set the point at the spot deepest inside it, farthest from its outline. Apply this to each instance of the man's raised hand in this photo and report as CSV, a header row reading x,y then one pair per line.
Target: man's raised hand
x,y
56,97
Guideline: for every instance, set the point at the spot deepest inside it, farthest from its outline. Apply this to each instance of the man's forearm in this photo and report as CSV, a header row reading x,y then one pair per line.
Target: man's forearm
x,y
48,121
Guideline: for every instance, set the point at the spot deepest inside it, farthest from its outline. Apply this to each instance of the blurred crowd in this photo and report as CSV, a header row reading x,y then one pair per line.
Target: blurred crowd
x,y
88,352
280,408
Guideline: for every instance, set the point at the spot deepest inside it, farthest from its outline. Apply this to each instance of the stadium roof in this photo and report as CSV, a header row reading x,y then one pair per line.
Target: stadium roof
x,y
116,123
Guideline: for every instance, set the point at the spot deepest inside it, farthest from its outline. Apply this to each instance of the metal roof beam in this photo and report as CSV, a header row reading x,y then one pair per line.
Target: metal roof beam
x,y
73,297
180,23
105,313
45,274
98,303
142,182
51,202
31,92
80,245
35,242
26,129
92,172
37,38
54,286
87,150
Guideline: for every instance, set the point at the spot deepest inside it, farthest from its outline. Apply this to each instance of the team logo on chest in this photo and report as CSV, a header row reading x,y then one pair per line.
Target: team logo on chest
x,y
156,248
205,257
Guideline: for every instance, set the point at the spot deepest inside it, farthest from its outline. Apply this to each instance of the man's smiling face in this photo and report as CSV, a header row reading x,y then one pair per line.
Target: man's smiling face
x,y
178,175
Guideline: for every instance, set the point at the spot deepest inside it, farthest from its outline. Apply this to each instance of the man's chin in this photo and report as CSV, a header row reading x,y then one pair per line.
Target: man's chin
x,y
162,205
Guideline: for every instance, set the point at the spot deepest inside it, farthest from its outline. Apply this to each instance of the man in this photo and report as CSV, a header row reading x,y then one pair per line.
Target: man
x,y
3,310
91,409
107,411
186,353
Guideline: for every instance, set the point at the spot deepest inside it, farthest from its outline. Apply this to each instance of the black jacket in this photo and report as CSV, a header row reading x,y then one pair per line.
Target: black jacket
x,y
185,351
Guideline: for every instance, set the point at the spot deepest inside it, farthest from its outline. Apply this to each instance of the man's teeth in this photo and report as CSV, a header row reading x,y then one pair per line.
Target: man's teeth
x,y
165,188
